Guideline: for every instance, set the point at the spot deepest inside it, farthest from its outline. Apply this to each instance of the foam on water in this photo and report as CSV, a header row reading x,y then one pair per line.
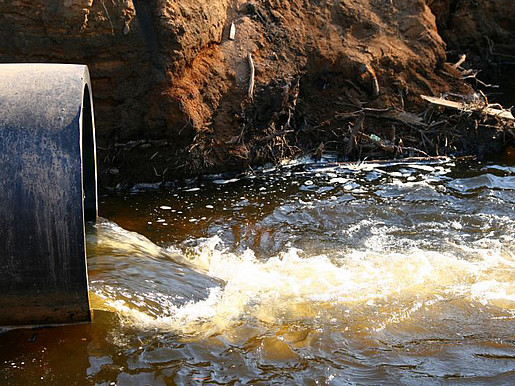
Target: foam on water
x,y
338,288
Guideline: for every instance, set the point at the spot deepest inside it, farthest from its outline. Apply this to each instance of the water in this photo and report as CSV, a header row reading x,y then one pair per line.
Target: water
x,y
372,274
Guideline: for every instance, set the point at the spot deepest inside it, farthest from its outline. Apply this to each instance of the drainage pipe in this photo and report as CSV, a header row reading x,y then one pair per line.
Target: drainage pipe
x,y
47,192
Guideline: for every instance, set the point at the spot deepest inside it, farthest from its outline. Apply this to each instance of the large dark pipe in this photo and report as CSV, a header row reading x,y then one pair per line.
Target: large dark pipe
x,y
47,192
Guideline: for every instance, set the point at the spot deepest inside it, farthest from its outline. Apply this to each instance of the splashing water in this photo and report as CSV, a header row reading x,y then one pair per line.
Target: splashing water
x,y
357,289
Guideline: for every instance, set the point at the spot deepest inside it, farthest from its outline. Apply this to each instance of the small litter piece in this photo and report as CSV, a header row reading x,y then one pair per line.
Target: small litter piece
x,y
232,32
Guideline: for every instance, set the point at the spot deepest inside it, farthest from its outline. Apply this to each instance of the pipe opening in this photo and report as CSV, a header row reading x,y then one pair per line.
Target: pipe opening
x,y
88,159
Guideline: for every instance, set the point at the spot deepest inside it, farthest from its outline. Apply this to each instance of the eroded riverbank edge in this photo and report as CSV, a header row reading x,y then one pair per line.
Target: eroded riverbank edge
x,y
172,89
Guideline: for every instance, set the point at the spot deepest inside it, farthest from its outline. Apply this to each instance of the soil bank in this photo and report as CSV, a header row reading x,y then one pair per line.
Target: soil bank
x,y
172,91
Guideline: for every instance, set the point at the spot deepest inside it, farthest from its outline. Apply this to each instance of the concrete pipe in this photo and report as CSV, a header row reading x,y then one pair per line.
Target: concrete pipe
x,y
47,192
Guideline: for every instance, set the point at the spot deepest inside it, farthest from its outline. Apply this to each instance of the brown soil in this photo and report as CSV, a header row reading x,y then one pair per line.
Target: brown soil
x,y
171,89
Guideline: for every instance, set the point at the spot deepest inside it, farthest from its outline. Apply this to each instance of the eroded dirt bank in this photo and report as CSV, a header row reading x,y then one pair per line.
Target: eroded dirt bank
x,y
172,90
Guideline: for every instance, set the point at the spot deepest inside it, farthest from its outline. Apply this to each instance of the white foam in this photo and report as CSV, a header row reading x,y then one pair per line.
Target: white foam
x,y
225,182
425,168
294,285
339,180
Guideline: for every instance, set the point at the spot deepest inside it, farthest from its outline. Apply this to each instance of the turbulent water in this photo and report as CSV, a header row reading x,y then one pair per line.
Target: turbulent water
x,y
306,274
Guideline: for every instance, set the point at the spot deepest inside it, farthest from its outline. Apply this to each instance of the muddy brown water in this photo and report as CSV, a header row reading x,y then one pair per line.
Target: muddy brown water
x,y
317,274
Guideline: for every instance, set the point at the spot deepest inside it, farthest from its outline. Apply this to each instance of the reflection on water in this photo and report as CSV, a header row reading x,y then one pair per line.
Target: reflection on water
x,y
328,274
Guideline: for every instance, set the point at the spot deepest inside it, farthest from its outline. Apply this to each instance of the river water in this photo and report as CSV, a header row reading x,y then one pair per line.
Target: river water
x,y
305,274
